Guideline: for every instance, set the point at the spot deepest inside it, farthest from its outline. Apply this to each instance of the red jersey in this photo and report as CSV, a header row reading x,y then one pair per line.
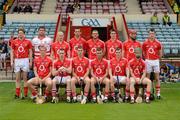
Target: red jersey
x,y
111,48
43,66
74,43
99,67
92,45
80,66
65,63
128,47
151,49
119,66
21,48
137,67
56,46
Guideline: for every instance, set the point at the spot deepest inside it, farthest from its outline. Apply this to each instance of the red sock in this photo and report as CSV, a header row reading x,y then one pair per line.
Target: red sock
x,y
68,92
148,93
73,94
106,94
53,92
34,93
93,94
157,89
86,94
47,93
127,92
112,94
25,91
132,94
17,91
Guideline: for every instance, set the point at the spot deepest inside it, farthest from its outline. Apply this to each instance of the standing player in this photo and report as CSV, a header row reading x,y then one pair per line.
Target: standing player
x,y
93,43
76,41
80,68
41,39
137,69
21,59
130,44
60,44
62,68
112,44
42,71
99,72
152,51
119,71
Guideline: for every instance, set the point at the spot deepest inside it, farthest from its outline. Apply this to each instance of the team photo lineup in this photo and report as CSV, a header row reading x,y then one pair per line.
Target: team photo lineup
x,y
104,71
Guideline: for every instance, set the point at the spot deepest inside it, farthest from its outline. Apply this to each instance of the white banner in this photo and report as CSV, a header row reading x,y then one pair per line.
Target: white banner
x,y
93,22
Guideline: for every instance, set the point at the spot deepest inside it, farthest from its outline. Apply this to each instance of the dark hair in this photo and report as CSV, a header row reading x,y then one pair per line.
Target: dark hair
x,y
117,49
21,29
41,27
112,30
98,49
151,30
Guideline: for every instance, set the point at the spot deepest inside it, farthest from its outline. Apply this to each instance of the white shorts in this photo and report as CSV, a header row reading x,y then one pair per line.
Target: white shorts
x,y
3,56
64,79
21,64
121,78
152,66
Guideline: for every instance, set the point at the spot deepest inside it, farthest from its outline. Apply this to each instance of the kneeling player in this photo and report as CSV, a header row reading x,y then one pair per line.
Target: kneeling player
x,y
118,72
80,65
61,71
138,75
42,71
99,72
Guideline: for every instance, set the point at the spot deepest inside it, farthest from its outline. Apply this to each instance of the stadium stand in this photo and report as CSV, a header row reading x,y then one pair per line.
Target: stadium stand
x,y
168,36
93,8
30,27
35,4
152,6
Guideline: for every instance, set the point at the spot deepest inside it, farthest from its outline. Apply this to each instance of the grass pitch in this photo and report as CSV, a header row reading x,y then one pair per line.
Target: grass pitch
x,y
166,109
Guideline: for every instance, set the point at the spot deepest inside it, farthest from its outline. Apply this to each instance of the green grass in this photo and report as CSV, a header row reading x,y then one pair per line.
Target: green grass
x,y
166,109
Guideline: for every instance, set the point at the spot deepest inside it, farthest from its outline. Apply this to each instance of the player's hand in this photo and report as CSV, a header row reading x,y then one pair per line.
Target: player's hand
x,y
99,80
138,80
30,65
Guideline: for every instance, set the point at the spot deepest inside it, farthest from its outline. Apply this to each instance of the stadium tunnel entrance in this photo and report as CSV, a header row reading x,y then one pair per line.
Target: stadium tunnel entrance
x,y
88,24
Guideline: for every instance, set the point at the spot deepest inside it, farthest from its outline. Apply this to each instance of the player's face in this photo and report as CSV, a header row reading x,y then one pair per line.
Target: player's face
x,y
77,32
41,32
61,53
99,53
42,50
21,35
60,37
118,53
151,35
95,35
80,51
137,53
113,35
133,35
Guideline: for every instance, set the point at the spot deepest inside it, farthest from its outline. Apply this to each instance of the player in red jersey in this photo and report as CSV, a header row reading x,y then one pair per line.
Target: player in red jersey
x,y
130,44
112,44
62,68
80,71
21,59
76,41
152,51
60,44
42,71
119,74
137,69
93,43
99,72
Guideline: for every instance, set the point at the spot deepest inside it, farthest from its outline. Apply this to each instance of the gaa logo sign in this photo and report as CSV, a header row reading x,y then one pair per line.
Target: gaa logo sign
x,y
90,22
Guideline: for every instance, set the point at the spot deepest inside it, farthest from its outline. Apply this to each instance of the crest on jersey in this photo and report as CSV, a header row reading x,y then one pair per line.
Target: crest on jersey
x,y
20,48
93,50
98,71
151,50
118,69
136,71
112,50
131,49
79,69
42,68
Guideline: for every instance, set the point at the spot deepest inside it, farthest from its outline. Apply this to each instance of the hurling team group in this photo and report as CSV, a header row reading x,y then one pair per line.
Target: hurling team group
x,y
89,62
